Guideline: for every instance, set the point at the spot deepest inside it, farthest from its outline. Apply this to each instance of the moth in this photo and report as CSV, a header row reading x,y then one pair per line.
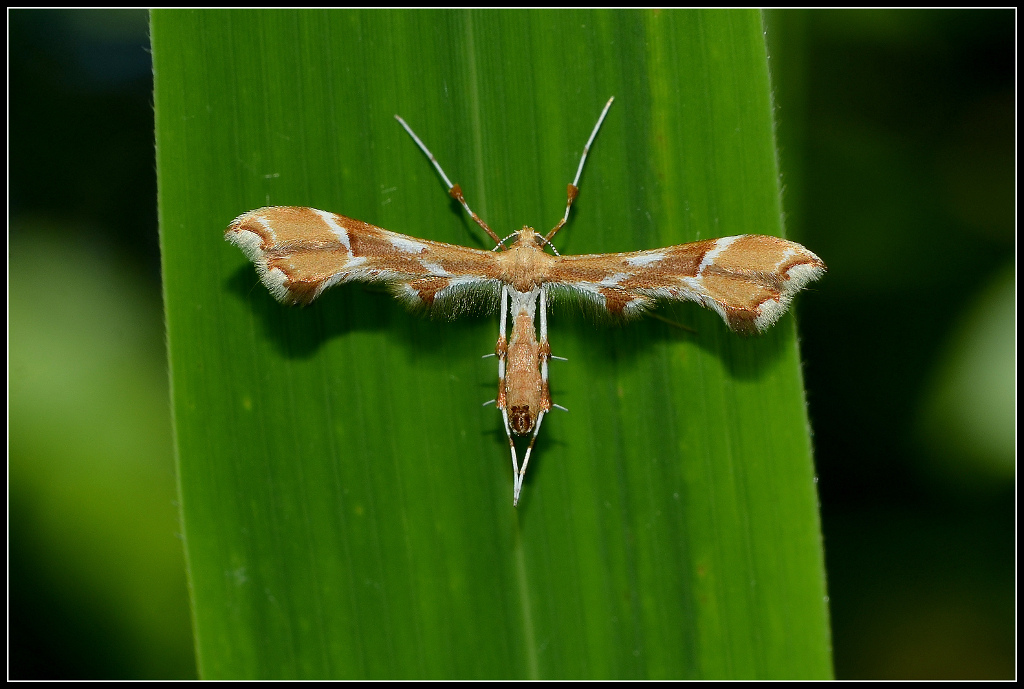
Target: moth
x,y
749,280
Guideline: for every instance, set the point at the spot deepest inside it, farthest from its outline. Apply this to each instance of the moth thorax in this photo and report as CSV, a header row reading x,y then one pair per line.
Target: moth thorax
x,y
520,420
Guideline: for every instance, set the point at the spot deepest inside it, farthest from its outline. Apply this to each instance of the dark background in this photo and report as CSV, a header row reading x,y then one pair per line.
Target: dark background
x,y
896,135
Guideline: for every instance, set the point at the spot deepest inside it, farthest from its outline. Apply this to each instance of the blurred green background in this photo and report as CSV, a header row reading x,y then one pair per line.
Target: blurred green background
x,y
896,135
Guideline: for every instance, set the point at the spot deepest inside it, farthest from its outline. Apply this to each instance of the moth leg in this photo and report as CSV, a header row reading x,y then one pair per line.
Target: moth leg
x,y
545,353
573,189
545,347
453,189
501,351
515,460
545,404
526,460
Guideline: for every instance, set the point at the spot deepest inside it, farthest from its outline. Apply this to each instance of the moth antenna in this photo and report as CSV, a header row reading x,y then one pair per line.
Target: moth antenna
x,y
453,189
573,189
501,242
544,240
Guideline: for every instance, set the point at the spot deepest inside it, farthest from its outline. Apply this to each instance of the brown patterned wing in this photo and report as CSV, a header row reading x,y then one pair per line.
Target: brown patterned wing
x,y
749,280
299,252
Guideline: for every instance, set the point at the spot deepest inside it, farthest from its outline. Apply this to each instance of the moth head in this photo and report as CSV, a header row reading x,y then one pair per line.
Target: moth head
x,y
520,419
529,237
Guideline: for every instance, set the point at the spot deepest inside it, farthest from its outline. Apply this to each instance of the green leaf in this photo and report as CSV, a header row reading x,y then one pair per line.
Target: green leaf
x,y
347,502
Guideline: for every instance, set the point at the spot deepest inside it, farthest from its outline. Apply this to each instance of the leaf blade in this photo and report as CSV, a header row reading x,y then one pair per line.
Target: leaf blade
x,y
346,502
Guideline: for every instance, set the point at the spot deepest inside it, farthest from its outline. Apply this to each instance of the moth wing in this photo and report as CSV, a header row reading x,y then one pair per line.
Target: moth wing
x,y
299,252
749,280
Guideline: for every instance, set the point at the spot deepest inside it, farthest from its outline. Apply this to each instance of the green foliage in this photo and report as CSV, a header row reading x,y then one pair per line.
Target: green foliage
x,y
346,500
